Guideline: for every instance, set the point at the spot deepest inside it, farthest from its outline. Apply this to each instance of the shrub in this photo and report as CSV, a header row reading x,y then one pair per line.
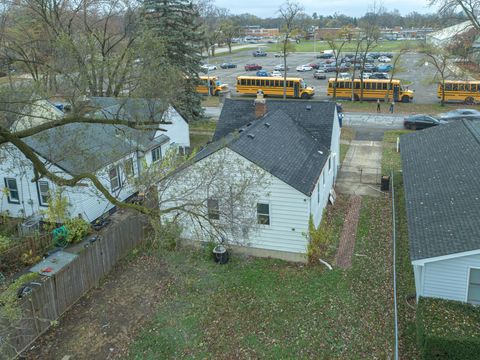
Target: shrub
x,y
77,229
448,330
5,243
320,240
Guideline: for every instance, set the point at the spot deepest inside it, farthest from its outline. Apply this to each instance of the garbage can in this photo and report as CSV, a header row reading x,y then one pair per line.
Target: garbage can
x,y
220,254
385,183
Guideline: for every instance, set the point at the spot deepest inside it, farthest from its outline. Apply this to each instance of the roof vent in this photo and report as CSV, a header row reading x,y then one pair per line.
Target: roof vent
x,y
249,124
320,152
267,125
309,107
240,130
251,136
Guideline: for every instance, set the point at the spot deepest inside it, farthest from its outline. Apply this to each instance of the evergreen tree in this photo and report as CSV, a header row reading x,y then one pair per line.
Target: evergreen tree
x,y
175,24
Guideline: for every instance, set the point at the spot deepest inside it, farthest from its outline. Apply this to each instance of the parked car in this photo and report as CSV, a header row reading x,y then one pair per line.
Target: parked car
x,y
366,75
369,59
208,67
384,68
302,68
280,67
379,75
320,74
384,59
370,67
324,56
330,61
329,68
374,55
276,74
228,65
259,53
460,114
278,54
314,66
253,67
344,67
421,121
389,55
344,76
262,73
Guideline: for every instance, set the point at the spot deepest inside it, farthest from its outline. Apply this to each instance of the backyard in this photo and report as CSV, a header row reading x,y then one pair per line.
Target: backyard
x,y
180,304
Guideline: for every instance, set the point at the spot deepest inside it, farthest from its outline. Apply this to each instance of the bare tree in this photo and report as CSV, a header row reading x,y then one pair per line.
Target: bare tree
x,y
337,44
468,7
289,12
440,59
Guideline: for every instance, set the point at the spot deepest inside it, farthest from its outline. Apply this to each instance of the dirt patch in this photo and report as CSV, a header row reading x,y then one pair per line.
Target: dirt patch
x,y
102,324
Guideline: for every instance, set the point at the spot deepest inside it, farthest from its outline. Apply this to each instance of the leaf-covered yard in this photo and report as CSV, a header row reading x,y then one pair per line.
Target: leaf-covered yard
x,y
264,308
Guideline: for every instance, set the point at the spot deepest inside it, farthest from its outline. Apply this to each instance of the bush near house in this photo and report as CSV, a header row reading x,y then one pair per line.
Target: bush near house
x,y
448,330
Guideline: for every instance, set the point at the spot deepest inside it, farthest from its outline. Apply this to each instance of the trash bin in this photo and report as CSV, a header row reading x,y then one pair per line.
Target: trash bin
x,y
385,183
220,254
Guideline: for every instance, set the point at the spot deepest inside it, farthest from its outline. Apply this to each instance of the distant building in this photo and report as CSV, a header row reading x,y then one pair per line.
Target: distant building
x,y
257,31
443,37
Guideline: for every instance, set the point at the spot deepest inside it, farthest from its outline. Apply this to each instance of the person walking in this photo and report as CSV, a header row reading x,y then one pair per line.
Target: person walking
x,y
378,105
391,107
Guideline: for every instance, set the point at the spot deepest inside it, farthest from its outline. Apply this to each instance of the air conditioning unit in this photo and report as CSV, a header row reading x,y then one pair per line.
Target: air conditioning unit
x,y
30,225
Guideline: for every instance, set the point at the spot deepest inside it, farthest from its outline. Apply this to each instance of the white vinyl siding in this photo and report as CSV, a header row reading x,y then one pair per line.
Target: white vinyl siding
x,y
288,211
447,279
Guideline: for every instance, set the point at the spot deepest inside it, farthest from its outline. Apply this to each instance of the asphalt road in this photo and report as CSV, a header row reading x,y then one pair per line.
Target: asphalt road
x,y
413,70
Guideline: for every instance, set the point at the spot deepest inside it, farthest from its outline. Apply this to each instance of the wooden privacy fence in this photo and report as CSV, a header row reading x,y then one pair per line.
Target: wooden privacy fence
x,y
54,295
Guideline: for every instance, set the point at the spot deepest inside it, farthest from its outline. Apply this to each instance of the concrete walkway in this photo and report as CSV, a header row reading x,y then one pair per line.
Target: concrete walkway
x,y
360,172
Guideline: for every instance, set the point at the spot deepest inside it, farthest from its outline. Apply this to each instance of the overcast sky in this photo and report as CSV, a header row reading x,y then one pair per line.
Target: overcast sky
x,y
357,8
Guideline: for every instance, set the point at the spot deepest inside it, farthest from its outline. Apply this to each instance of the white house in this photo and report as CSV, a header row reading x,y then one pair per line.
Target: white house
x,y
291,148
441,172
113,153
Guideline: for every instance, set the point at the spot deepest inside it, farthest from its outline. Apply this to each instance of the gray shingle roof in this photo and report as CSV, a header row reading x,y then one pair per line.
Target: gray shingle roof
x,y
441,172
315,117
78,148
280,146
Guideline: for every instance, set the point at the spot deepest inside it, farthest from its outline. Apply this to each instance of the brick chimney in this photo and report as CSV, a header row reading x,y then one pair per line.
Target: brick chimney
x,y
260,105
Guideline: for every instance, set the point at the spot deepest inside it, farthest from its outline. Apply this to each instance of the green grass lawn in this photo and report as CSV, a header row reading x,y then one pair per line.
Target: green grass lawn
x,y
348,134
310,46
405,280
270,309
199,140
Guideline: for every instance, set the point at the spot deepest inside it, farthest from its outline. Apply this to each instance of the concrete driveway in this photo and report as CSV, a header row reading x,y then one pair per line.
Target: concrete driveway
x,y
360,173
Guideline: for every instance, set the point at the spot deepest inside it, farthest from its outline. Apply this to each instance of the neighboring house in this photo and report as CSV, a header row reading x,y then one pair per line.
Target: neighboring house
x,y
441,172
295,145
442,38
113,153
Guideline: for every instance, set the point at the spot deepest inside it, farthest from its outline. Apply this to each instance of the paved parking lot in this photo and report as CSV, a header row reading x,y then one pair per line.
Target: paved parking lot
x,y
413,70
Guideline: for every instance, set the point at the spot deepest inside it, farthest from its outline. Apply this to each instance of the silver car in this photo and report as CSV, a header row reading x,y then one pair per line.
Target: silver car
x,y
460,114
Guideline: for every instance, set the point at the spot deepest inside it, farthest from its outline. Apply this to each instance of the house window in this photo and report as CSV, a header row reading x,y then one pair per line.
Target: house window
x,y
213,209
263,213
474,287
128,167
157,153
114,175
13,194
43,192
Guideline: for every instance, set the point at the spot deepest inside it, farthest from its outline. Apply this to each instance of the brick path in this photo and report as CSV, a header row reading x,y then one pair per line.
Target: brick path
x,y
349,232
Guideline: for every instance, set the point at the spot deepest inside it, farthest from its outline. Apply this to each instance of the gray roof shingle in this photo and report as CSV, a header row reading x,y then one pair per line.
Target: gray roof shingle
x,y
441,172
280,146
316,117
81,147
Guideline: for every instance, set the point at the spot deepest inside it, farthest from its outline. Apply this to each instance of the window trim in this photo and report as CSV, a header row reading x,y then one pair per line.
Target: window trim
x,y
467,288
9,200
213,214
329,164
119,179
159,148
39,193
263,214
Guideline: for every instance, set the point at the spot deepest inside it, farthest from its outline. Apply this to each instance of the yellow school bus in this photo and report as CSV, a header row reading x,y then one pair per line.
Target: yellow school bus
x,y
273,86
210,83
373,89
467,92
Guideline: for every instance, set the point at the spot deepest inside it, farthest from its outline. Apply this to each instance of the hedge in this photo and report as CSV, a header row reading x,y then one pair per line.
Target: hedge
x,y
448,330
